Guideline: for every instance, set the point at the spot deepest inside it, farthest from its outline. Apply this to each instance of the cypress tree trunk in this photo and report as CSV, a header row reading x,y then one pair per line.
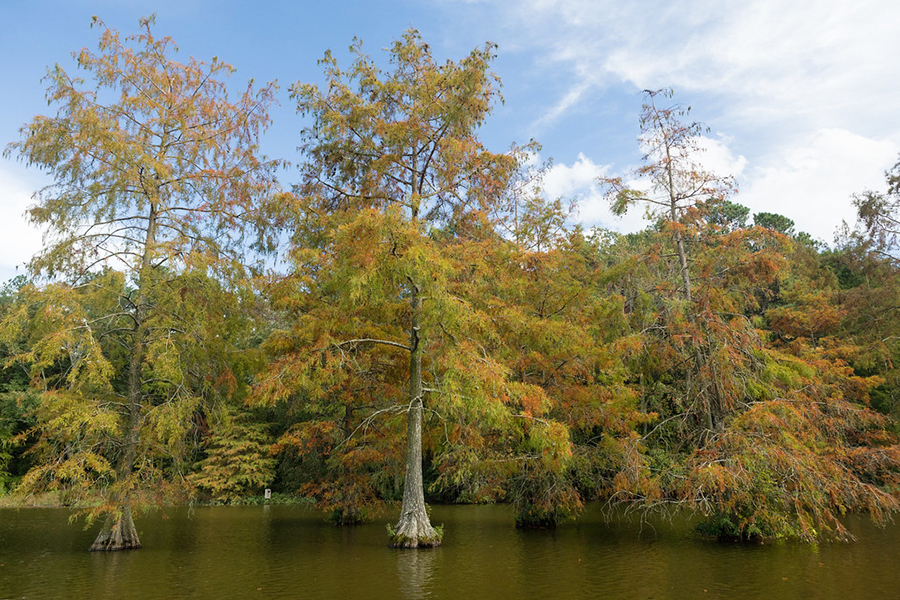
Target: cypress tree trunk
x,y
683,267
414,529
118,533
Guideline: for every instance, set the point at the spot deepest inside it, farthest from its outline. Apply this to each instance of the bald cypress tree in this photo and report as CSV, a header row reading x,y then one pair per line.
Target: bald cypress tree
x,y
156,179
394,172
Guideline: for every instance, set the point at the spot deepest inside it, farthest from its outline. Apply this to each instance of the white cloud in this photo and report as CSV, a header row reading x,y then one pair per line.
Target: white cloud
x,y
774,61
717,158
806,96
19,241
812,180
570,99
563,181
579,182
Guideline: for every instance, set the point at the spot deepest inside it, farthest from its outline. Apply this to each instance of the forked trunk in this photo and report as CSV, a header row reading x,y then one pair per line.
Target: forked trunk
x,y
118,533
414,529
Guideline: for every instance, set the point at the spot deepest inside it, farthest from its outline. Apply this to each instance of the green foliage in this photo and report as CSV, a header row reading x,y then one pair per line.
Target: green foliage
x,y
17,420
738,360
395,194
775,222
793,465
238,461
135,332
435,292
17,402
560,369
543,497
729,215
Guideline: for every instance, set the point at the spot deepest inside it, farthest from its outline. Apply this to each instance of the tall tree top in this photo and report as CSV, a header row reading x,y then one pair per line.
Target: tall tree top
x,y
405,138
145,149
677,181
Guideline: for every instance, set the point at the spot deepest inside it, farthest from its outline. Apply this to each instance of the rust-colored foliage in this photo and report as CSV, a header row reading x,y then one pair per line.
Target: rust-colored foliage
x,y
760,421
434,294
792,465
394,175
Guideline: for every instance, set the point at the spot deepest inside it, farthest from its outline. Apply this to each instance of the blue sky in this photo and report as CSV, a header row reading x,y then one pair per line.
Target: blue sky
x,y
801,98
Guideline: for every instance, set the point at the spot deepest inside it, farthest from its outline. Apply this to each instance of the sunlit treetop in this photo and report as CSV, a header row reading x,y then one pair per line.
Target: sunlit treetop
x,y
404,137
145,151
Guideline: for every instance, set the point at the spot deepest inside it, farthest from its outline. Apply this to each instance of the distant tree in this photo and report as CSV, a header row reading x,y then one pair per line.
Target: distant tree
x,y
689,203
17,401
729,215
879,214
775,222
678,187
156,182
238,462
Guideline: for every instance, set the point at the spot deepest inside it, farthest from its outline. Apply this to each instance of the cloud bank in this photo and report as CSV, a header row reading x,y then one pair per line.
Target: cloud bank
x,y
18,240
805,98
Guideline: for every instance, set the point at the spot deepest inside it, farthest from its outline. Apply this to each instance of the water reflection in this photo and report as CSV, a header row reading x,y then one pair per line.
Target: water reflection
x,y
415,569
290,552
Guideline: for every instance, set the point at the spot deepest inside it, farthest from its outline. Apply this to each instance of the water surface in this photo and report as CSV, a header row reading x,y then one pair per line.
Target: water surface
x,y
282,552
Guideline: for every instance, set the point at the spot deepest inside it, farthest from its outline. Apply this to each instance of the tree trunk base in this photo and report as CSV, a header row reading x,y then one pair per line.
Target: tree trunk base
x,y
414,530
118,533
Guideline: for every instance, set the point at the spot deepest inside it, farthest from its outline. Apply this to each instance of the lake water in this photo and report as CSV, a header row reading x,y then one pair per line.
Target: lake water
x,y
280,552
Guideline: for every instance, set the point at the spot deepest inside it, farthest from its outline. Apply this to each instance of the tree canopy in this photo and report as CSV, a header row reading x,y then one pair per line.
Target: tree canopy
x,y
157,180
437,328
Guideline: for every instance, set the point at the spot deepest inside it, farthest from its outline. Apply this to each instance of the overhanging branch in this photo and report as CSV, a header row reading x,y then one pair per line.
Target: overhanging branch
x,y
373,341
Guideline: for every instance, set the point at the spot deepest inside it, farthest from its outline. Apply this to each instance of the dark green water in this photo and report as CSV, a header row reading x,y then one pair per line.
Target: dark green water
x,y
283,552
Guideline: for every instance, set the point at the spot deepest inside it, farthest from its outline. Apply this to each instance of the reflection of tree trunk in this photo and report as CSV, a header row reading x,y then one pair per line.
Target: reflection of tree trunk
x,y
415,569
414,528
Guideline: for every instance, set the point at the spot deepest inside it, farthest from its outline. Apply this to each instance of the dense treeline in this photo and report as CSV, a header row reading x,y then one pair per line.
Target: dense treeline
x,y
437,328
